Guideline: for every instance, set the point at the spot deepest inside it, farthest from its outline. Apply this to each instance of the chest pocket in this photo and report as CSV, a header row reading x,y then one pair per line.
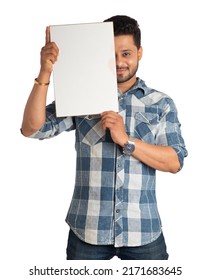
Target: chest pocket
x,y
146,125
89,130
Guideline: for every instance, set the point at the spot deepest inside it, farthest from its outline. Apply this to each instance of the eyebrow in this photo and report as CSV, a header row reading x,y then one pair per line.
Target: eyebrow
x,y
127,50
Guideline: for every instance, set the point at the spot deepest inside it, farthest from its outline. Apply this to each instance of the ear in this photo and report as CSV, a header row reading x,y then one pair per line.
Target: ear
x,y
140,53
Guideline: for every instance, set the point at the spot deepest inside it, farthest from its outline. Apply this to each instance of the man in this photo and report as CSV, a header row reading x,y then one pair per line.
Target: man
x,y
113,211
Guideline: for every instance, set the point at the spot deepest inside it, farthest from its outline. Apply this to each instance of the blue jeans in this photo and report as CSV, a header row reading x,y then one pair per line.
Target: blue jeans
x,y
79,250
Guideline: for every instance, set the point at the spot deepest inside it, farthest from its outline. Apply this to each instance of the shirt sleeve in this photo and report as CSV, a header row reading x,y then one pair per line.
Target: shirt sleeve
x,y
53,125
169,132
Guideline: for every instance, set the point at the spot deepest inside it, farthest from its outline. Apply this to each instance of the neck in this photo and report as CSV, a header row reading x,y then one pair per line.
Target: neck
x,y
123,87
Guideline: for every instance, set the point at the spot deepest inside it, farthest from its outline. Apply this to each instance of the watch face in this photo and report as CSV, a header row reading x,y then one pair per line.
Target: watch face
x,y
129,148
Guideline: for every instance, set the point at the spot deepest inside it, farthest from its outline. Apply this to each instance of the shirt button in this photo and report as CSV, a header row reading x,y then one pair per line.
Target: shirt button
x,y
118,211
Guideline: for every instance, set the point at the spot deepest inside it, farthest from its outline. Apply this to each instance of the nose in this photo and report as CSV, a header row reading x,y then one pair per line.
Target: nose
x,y
119,60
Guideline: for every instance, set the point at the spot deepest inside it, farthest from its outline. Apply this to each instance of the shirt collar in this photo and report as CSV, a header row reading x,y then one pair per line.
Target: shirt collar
x,y
139,89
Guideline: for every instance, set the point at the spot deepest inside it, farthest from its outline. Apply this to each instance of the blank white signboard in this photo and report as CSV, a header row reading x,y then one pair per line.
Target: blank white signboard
x,y
84,76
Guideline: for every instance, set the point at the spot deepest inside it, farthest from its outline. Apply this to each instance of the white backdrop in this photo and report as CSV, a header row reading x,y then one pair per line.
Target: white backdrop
x,y
37,177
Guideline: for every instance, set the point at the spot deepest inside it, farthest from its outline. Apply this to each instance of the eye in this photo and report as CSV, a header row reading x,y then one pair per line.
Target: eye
x,y
126,54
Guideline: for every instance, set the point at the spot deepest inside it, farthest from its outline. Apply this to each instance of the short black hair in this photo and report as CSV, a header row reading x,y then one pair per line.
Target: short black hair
x,y
124,25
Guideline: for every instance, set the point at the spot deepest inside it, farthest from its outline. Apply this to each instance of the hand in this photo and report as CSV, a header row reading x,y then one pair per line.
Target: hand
x,y
114,122
49,53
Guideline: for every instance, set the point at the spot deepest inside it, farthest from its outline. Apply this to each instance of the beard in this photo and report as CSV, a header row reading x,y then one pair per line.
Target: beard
x,y
121,78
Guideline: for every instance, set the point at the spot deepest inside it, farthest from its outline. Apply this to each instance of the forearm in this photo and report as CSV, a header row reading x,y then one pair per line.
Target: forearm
x,y
35,109
163,158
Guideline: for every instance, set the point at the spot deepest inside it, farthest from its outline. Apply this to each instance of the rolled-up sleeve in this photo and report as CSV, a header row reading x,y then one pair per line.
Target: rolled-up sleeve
x,y
53,125
169,132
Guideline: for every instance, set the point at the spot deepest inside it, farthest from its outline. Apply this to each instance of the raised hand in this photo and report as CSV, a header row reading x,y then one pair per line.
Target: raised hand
x,y
49,53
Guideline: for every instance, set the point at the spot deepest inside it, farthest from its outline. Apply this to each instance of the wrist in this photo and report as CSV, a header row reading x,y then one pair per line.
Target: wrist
x,y
129,146
37,82
124,140
44,77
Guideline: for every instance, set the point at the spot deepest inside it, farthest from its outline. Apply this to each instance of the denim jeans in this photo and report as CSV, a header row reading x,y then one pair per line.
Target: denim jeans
x,y
79,250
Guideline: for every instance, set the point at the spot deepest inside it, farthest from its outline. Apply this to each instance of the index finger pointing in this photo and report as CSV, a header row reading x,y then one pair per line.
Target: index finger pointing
x,y
47,35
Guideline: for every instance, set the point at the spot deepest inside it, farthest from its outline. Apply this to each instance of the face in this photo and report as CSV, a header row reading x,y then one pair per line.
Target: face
x,y
127,58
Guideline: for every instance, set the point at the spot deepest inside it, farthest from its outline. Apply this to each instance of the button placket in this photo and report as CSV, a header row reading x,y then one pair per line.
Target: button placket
x,y
119,199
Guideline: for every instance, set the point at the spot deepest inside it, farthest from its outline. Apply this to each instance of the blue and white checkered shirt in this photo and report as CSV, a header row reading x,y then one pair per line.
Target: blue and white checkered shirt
x,y
114,200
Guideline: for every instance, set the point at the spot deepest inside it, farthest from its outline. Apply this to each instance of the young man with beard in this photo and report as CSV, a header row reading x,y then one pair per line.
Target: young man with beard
x,y
113,211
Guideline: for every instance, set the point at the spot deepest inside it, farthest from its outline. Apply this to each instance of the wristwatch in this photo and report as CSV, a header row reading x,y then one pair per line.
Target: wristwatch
x,y
129,147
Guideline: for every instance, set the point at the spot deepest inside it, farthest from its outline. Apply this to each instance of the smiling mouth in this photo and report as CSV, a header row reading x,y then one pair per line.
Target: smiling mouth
x,y
121,70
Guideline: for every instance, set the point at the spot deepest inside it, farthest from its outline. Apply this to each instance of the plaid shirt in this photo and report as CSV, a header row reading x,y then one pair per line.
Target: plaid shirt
x,y
114,200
